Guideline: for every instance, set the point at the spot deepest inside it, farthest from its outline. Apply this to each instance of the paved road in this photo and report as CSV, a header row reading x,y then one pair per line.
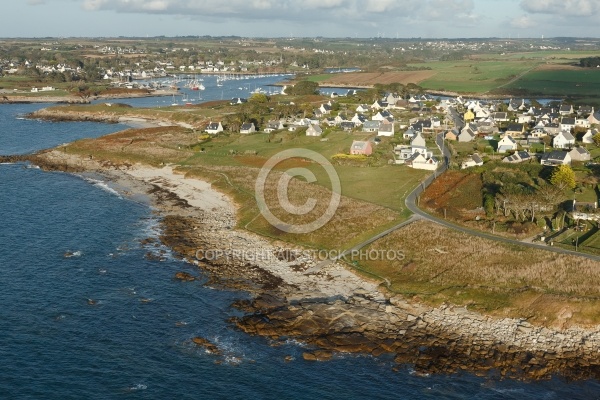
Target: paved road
x,y
411,204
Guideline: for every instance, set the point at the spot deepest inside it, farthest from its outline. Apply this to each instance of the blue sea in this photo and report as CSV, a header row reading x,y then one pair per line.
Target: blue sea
x,y
86,314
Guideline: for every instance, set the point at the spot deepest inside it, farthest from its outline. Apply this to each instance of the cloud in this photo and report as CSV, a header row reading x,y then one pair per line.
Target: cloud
x,y
35,2
523,22
293,10
563,8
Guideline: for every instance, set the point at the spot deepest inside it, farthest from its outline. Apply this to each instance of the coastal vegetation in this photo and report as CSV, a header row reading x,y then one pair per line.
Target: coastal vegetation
x,y
440,265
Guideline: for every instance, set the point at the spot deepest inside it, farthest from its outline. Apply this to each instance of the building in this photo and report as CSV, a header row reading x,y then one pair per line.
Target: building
x,y
247,128
517,157
556,157
506,144
473,160
563,140
580,154
314,130
361,147
214,128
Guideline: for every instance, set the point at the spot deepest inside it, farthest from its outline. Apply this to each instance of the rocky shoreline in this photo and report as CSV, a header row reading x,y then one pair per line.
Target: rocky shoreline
x,y
332,309
10,98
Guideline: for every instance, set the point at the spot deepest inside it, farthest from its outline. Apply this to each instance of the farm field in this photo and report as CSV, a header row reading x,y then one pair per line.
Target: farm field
x,y
473,76
559,82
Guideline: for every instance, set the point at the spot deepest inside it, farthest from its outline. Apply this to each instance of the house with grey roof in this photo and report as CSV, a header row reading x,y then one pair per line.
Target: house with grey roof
x,y
556,157
563,140
386,129
274,126
566,109
214,128
361,147
410,133
580,154
515,130
247,128
567,123
506,144
594,118
474,160
359,119
314,130
517,157
371,126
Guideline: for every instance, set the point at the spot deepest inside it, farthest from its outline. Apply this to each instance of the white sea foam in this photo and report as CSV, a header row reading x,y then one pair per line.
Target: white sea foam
x,y
139,386
102,185
70,254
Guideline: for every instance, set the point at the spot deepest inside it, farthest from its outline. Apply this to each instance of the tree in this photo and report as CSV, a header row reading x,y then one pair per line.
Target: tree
x,y
596,139
258,98
304,88
563,177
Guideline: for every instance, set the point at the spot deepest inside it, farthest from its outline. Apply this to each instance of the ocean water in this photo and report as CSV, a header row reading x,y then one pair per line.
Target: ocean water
x,y
86,314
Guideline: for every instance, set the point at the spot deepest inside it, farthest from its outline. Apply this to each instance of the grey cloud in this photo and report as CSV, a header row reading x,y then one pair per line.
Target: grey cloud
x,y
563,8
291,10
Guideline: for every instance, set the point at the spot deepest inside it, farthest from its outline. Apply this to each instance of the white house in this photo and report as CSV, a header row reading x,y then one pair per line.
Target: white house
x,y
419,161
386,129
314,130
563,140
506,144
418,141
362,108
472,161
588,138
247,128
556,157
467,134
214,128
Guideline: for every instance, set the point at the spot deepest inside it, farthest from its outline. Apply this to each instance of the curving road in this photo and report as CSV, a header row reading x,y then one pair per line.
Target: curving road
x,y
418,213
411,204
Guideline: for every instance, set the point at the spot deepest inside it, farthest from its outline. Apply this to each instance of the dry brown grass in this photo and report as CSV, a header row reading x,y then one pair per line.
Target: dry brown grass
x,y
151,146
353,221
445,265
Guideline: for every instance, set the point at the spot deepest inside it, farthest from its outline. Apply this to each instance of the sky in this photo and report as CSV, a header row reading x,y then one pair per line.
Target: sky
x,y
301,18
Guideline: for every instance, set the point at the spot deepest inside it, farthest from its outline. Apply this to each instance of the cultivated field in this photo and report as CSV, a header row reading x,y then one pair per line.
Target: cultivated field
x,y
559,82
473,76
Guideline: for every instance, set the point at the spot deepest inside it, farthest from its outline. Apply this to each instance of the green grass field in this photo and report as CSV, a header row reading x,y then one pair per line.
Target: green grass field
x,y
473,76
584,82
384,185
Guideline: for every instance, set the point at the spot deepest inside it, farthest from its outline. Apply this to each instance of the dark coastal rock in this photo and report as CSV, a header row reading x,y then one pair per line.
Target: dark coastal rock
x,y
13,159
434,340
184,276
207,345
